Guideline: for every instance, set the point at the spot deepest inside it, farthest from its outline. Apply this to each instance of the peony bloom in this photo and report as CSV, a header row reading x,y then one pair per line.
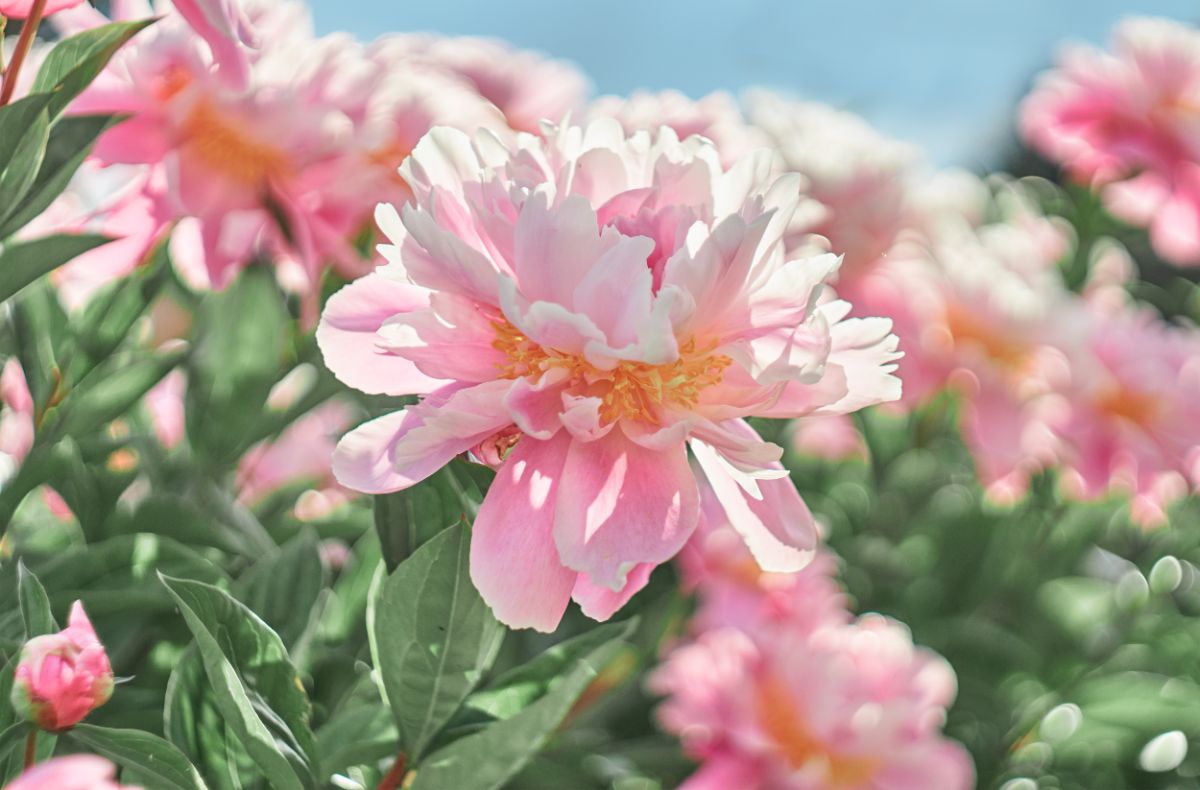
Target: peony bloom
x,y
20,9
1126,413
733,591
580,308
62,677
73,772
850,706
1126,122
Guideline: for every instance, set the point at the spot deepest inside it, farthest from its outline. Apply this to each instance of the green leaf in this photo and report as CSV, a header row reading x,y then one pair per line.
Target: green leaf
x,y
284,589
433,637
105,322
15,120
151,756
18,176
71,140
105,397
406,519
193,722
364,734
11,736
254,684
489,758
23,262
74,62
35,605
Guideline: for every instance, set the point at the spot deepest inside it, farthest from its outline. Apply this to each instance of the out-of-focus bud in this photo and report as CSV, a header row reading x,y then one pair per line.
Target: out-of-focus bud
x,y
63,677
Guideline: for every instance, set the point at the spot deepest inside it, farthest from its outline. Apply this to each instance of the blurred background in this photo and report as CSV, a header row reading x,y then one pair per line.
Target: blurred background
x,y
945,74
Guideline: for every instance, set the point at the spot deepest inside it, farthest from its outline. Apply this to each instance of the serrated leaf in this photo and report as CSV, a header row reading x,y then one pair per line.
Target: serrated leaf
x,y
487,759
433,636
71,140
23,262
35,604
75,61
254,684
149,755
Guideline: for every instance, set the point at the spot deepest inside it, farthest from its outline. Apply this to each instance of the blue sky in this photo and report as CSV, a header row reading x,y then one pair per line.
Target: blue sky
x,y
943,73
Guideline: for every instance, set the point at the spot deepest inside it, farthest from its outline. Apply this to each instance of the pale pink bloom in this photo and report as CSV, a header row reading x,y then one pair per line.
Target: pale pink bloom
x,y
526,87
72,772
62,677
1129,122
299,455
734,591
20,9
849,706
1126,415
834,437
164,403
715,117
16,418
613,298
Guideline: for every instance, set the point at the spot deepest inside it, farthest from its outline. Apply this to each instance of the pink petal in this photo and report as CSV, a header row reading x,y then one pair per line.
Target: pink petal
x,y
601,603
514,563
621,505
348,338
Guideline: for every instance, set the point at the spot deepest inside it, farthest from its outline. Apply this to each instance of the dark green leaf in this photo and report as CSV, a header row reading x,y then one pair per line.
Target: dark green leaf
x,y
74,62
193,722
489,758
284,589
23,262
254,684
18,176
15,120
105,397
406,519
35,605
149,755
433,637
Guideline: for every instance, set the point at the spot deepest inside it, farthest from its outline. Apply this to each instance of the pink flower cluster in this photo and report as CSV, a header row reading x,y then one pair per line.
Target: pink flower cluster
x,y
252,138
780,688
578,309
1125,122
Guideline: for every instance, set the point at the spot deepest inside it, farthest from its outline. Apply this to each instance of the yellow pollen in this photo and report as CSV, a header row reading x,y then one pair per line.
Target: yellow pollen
x,y
218,142
967,329
799,746
1139,408
629,391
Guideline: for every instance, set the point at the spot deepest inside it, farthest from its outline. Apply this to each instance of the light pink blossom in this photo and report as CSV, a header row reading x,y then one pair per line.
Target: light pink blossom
x,y
1127,122
62,677
833,437
852,706
16,418
20,9
613,298
72,772
299,455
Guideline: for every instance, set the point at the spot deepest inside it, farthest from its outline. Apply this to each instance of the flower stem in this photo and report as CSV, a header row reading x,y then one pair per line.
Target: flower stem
x,y
30,748
395,776
24,43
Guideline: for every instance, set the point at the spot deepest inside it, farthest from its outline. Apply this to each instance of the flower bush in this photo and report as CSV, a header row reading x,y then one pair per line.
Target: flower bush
x,y
405,416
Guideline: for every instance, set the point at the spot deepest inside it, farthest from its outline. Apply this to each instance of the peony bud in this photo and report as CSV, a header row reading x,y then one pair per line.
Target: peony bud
x,y
63,677
74,772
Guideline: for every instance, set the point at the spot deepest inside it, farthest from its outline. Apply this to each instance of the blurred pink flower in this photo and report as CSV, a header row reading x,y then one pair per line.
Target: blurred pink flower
x,y
1128,122
301,454
612,298
834,437
62,677
16,418
733,591
20,9
1126,414
849,706
73,772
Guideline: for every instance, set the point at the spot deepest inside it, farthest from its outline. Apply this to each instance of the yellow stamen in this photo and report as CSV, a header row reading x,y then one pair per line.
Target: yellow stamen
x,y
217,141
799,746
1139,408
629,391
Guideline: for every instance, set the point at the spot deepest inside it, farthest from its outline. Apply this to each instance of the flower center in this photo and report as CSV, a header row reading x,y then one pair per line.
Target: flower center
x,y
799,746
966,329
629,391
218,142
1123,403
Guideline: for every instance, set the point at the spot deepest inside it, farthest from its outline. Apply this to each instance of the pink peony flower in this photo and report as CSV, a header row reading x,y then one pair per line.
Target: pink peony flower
x,y
73,772
1126,414
613,298
20,9
733,591
1126,122
851,706
298,455
16,418
62,677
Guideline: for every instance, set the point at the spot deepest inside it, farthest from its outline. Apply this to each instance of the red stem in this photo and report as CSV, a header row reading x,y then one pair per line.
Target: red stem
x,y
31,748
396,775
24,43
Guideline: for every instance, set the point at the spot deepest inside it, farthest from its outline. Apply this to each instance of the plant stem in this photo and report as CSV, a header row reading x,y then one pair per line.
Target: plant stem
x,y
395,776
24,43
30,748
